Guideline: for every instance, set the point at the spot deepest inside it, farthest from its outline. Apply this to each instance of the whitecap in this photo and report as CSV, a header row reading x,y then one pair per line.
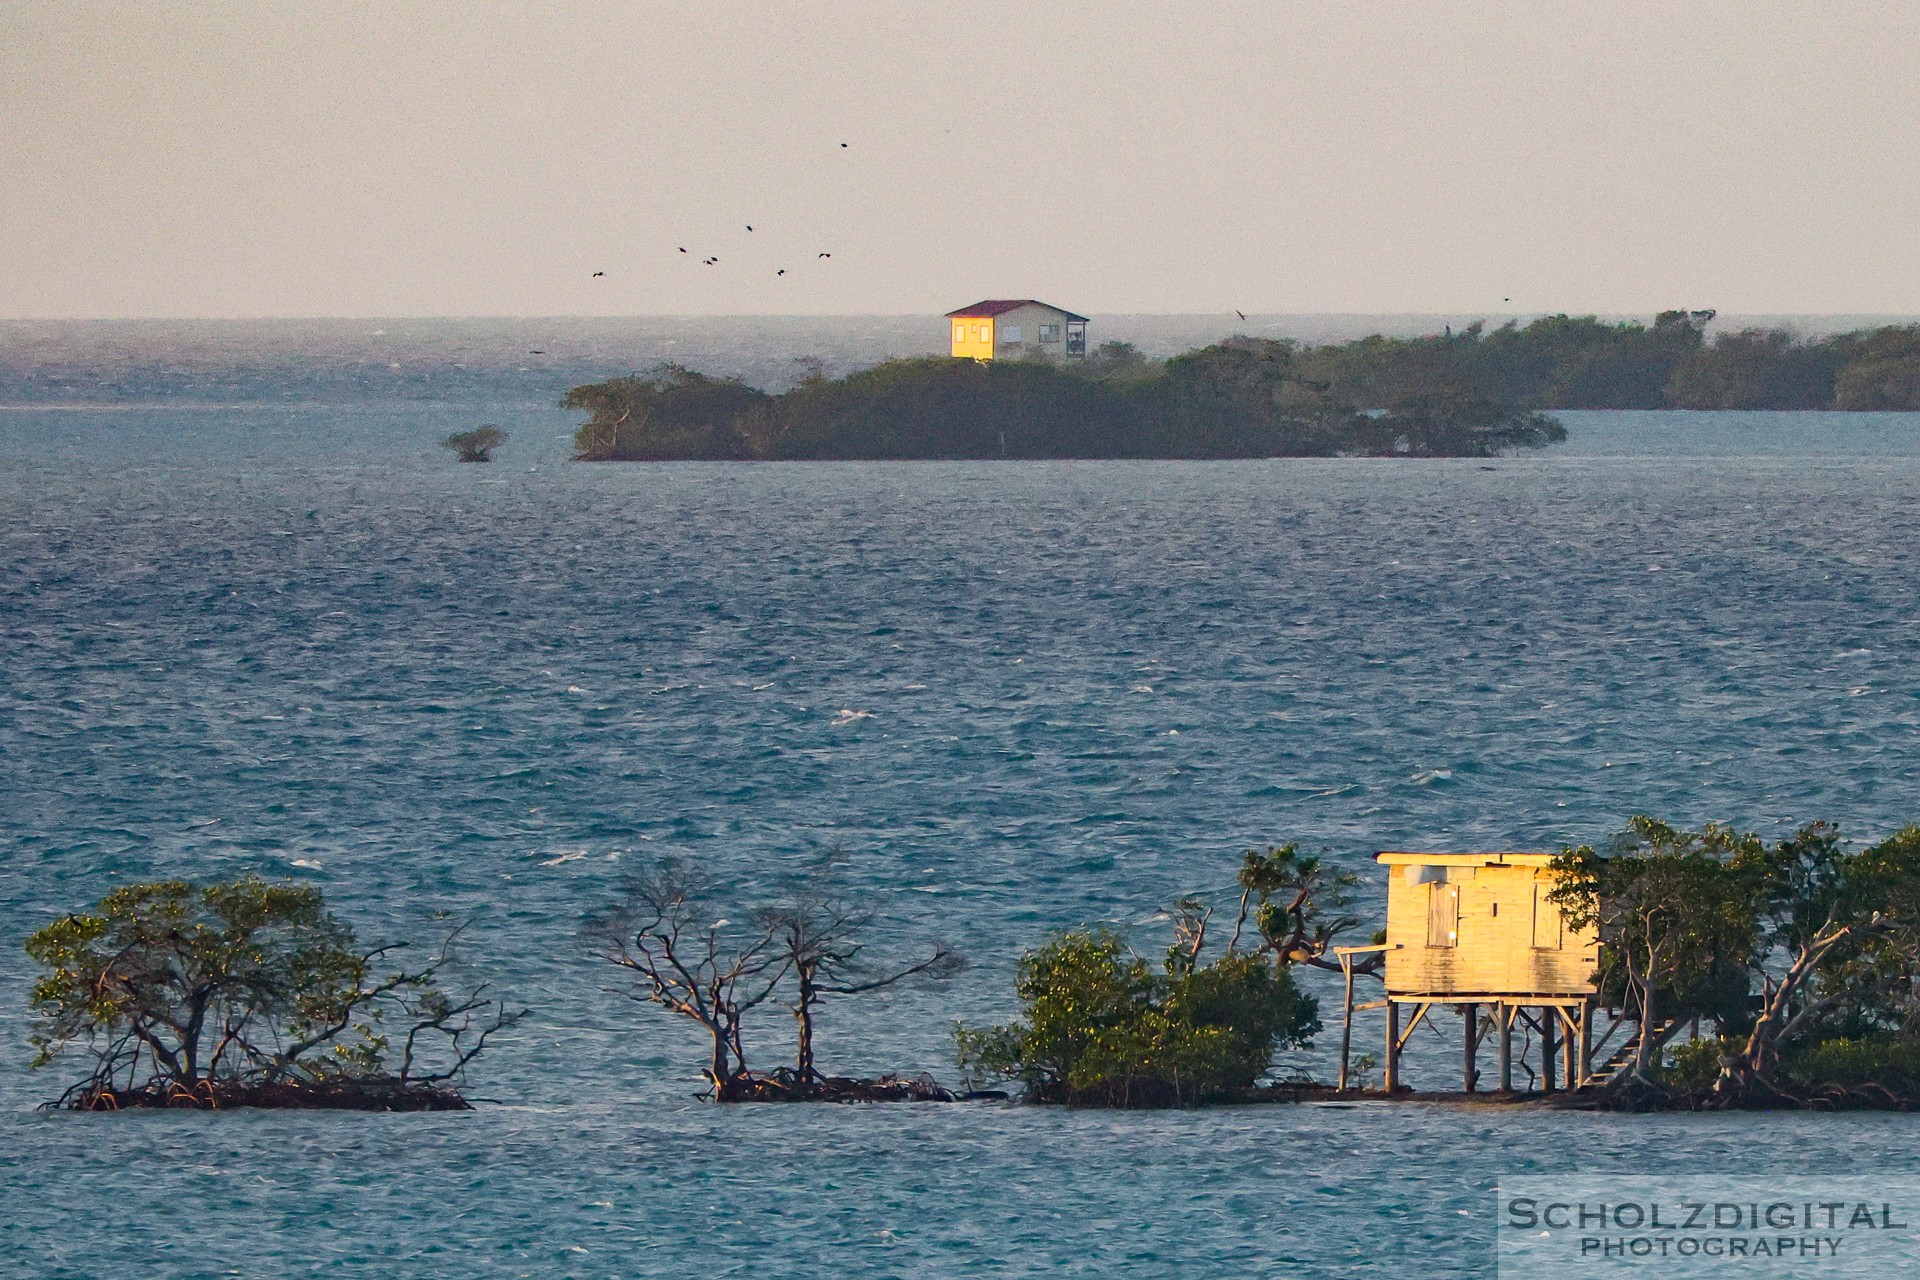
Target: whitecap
x,y
848,716
308,863
1854,653
565,857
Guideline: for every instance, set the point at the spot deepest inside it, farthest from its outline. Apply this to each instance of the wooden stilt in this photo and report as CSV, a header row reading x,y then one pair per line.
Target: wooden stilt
x,y
1346,1027
1472,1024
1391,1079
1586,1043
1549,1029
1503,1013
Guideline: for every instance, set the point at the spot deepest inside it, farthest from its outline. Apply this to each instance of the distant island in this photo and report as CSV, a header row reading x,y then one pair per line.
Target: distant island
x,y
1471,393
1237,399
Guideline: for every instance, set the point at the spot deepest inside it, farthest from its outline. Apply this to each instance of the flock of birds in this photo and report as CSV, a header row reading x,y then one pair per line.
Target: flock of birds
x,y
714,260
708,262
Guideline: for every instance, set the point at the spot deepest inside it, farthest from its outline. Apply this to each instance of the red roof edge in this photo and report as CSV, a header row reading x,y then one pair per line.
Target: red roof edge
x,y
1000,306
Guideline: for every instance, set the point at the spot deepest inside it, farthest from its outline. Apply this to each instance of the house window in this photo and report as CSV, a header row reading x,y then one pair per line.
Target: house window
x,y
986,333
959,333
1049,333
1547,926
1076,338
1010,334
1443,915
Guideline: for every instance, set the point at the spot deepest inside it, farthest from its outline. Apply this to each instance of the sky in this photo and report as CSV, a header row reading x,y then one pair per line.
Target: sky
x,y
473,159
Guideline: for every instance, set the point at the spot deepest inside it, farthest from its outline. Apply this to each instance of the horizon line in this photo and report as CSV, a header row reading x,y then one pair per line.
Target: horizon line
x,y
922,315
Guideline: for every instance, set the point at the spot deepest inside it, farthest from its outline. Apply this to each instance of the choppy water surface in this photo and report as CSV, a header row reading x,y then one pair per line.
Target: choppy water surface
x,y
1015,696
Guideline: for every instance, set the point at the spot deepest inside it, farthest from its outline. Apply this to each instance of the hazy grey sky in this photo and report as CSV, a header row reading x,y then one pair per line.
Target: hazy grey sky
x,y
466,159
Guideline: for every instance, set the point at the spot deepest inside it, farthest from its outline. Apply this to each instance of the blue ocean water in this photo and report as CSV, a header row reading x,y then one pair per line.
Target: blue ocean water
x,y
295,638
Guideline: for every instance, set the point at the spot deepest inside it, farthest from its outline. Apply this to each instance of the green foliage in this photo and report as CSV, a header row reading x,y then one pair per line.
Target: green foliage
x,y
673,412
936,408
1102,1028
1876,966
181,985
1890,1062
1757,369
1295,903
476,445
1677,918
178,967
1240,399
1780,944
1457,425
1555,362
1694,1066
1120,360
1881,370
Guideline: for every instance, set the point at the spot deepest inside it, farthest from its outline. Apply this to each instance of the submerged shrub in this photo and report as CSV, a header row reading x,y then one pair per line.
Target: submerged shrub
x,y
476,445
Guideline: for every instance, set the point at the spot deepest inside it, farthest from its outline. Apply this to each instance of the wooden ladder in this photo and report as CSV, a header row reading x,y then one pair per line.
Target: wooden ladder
x,y
1623,1057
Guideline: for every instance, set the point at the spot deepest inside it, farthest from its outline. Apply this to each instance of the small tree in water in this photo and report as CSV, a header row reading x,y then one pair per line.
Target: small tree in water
x,y
695,952
1101,1027
667,929
246,993
476,445
821,939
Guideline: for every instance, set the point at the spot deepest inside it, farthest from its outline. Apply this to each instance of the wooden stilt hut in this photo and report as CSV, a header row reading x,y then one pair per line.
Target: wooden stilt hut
x,y
1477,931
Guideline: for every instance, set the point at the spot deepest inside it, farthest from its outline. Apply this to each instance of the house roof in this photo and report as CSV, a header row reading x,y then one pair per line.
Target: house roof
x,y
1397,858
1000,306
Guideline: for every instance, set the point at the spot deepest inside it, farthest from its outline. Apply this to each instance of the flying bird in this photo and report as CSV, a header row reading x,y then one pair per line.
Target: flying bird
x,y
683,248
536,352
843,146
1237,311
749,226
826,255
599,273
782,271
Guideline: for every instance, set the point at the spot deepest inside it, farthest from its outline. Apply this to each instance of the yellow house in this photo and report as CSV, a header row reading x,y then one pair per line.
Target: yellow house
x,y
1478,931
1017,328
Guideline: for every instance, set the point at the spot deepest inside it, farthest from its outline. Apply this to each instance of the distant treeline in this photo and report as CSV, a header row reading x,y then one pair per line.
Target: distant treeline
x,y
1239,399
1580,362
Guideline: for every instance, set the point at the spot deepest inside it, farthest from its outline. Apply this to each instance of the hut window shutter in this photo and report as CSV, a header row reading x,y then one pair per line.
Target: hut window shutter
x,y
1546,919
1443,914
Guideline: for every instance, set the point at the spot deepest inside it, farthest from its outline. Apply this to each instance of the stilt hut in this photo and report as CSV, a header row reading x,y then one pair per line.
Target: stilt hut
x,y
1477,931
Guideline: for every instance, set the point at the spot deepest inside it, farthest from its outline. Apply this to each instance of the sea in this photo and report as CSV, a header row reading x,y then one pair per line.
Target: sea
x,y
252,619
